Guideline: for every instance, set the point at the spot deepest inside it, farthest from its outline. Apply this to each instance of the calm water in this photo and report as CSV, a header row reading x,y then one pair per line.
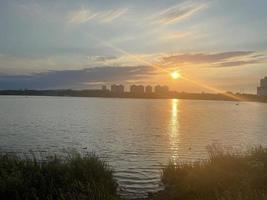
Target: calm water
x,y
136,136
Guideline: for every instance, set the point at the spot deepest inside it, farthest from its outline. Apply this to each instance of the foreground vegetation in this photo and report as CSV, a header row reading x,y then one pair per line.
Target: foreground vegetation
x,y
224,176
72,178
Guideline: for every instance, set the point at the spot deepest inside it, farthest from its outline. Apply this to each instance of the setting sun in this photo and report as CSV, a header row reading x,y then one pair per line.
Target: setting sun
x,y
175,75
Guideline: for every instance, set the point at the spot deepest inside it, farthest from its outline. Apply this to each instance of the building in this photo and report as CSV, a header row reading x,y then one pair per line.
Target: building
x,y
104,87
117,89
262,89
137,89
148,89
161,89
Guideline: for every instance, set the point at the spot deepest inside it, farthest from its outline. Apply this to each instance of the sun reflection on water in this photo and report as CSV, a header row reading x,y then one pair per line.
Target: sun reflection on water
x,y
174,129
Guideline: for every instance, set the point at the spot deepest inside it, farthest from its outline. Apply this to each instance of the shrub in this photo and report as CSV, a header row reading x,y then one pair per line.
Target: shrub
x,y
75,177
224,176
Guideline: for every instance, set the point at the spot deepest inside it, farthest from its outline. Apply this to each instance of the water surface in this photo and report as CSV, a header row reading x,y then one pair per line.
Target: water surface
x,y
136,136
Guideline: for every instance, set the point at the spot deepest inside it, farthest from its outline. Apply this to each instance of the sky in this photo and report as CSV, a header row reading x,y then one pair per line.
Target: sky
x,y
215,45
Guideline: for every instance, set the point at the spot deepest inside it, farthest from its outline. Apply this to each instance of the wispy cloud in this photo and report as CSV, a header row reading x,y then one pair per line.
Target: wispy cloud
x,y
101,58
205,57
238,63
223,59
81,16
111,15
84,15
171,36
178,12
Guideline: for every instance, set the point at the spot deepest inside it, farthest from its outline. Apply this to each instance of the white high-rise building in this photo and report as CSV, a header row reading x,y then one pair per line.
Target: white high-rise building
x,y
262,89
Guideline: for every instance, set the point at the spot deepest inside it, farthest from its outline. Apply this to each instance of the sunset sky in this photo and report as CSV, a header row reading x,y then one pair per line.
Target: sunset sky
x,y
84,44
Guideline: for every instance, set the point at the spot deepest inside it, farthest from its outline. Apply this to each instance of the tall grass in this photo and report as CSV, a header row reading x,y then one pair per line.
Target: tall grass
x,y
223,176
75,177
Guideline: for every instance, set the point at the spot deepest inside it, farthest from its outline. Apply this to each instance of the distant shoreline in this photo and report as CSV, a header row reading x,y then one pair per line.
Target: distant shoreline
x,y
107,94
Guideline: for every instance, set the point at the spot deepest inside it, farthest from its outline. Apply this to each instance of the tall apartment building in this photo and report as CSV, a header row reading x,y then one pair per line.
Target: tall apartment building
x,y
117,88
161,89
148,89
137,89
262,89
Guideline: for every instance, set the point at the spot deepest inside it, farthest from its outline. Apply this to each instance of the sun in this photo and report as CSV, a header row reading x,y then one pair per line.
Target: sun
x,y
175,75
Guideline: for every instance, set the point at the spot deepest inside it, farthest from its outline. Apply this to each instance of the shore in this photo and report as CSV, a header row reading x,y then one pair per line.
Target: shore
x,y
228,96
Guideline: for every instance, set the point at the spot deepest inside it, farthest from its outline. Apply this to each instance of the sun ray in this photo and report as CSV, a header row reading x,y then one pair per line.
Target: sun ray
x,y
174,75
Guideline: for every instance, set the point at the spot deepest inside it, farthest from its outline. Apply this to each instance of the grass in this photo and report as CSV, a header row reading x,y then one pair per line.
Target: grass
x,y
223,176
72,178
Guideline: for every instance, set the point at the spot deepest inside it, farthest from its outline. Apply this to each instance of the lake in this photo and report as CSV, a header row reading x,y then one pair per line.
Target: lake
x,y
136,136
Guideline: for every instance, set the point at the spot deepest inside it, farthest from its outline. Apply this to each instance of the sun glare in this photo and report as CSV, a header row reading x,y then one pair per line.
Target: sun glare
x,y
175,75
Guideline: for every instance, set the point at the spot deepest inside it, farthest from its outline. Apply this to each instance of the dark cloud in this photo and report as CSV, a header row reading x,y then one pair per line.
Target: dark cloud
x,y
74,78
206,58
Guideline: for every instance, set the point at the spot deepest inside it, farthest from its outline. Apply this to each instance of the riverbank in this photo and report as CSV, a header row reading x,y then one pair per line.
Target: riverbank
x,y
227,96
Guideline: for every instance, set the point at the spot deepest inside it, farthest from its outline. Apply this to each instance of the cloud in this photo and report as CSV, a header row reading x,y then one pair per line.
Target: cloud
x,y
171,36
74,78
84,15
101,58
111,15
178,12
238,63
223,59
81,16
10,64
205,58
